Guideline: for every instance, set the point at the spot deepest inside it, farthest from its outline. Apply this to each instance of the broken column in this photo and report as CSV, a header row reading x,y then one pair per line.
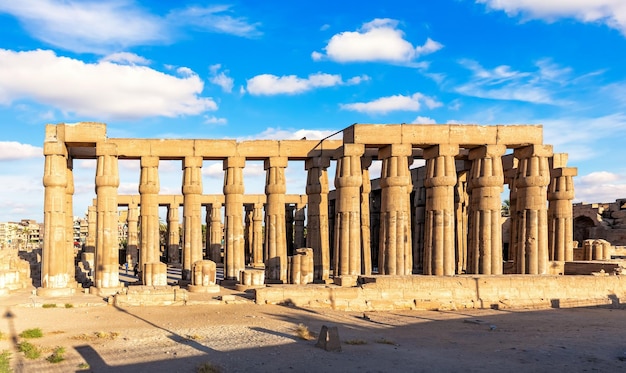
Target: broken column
x,y
301,270
204,277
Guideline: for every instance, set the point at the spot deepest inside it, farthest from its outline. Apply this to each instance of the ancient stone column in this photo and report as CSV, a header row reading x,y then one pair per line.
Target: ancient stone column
x,y
275,222
234,261
366,188
461,202
149,212
173,234
395,248
54,276
510,176
216,233
192,214
439,248
533,177
317,236
289,221
298,230
257,236
69,215
560,214
132,244
248,208
486,180
107,246
419,216
348,180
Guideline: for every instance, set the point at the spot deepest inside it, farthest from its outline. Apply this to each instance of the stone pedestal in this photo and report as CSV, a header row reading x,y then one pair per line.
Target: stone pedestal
x,y
204,277
251,279
301,267
154,274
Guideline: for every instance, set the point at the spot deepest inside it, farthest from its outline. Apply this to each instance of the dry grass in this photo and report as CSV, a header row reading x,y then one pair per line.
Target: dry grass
x,y
303,332
208,368
385,342
355,342
96,335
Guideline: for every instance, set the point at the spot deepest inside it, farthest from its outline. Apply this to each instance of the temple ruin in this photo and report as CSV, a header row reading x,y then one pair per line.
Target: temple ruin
x,y
434,229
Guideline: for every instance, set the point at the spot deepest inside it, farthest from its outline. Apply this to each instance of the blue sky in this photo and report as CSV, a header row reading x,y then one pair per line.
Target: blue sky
x,y
286,69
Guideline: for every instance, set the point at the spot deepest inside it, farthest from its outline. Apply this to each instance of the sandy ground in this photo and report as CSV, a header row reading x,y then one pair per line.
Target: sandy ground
x,y
245,337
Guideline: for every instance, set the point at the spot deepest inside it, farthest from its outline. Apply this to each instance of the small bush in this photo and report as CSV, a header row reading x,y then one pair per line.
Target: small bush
x,y
208,368
303,332
49,305
82,366
5,362
69,305
356,342
30,351
32,333
57,355
385,342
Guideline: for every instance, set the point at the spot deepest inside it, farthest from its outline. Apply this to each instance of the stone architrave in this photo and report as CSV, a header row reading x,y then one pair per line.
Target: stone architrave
x,y
107,246
54,276
395,248
366,246
439,248
257,236
149,212
317,236
192,214
486,180
348,180
234,258
298,229
69,215
173,234
132,243
533,177
560,214
275,222
216,233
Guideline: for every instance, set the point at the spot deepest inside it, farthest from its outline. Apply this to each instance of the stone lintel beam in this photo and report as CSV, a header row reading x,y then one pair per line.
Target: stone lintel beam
x,y
564,171
536,150
425,135
77,134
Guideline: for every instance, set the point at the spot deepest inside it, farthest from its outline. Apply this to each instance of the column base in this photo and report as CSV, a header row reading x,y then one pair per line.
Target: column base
x,y
105,292
203,289
56,292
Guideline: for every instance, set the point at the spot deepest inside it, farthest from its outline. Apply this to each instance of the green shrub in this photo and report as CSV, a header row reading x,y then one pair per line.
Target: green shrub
x,y
32,333
49,305
57,355
5,362
30,351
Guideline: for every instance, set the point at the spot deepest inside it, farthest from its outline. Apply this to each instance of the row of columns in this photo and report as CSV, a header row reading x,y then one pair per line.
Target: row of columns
x,y
532,244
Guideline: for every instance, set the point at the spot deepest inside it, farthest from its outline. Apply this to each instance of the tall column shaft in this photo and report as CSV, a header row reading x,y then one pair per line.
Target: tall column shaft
x,y
173,233
90,241
257,235
419,216
348,181
275,222
216,234
132,244
533,177
233,224
248,233
107,247
560,214
486,181
149,212
69,215
54,255
317,236
366,244
298,229
192,213
395,252
439,249
461,202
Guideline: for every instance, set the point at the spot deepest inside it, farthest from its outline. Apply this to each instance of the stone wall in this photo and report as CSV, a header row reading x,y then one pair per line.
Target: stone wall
x,y
600,220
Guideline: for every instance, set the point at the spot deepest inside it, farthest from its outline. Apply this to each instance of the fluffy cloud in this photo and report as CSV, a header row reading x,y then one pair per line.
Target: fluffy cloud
x,y
125,58
292,134
103,89
424,120
12,150
378,40
268,84
105,26
601,186
220,78
388,104
610,12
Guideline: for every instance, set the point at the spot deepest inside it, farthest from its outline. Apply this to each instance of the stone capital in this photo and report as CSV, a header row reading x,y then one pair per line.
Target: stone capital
x,y
234,162
149,161
275,162
395,150
192,162
441,150
487,151
533,151
317,162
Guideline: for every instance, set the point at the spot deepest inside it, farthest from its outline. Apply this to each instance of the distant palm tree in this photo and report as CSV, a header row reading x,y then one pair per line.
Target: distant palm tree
x,y
506,208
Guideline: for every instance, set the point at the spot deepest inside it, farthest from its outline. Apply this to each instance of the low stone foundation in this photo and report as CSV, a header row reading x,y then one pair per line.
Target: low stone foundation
x,y
150,296
378,293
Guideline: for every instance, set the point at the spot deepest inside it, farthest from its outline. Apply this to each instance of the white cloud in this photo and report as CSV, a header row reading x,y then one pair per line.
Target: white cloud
x,y
214,19
424,120
293,134
125,58
268,84
379,40
220,78
609,12
600,186
388,104
103,89
87,26
504,83
12,150
214,120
